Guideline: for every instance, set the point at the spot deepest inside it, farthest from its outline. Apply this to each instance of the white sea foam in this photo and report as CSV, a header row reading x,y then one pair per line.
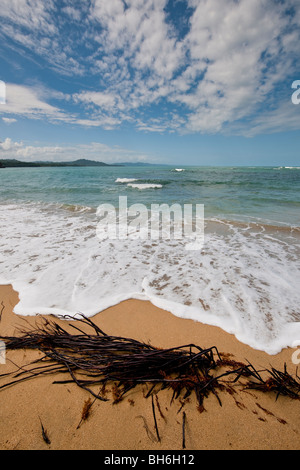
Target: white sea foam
x,y
179,169
125,180
287,168
244,280
142,186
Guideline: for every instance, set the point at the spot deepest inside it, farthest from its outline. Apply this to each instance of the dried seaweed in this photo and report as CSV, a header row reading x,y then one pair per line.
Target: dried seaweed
x,y
86,411
45,434
96,359
2,310
279,382
183,429
155,420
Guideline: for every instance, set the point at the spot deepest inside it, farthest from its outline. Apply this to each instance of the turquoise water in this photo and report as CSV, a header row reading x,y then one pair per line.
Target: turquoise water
x,y
266,194
244,278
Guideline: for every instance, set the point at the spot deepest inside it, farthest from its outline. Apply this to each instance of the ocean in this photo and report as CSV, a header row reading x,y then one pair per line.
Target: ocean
x,y
245,278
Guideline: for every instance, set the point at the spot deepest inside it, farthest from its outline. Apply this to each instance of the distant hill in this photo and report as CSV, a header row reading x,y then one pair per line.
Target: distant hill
x,y
84,162
81,162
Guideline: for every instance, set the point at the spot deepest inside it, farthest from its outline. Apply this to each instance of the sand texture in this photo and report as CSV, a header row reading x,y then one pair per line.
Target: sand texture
x,y
246,420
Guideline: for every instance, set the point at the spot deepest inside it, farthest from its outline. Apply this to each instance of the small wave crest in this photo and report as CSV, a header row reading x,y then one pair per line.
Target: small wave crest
x,y
142,186
125,180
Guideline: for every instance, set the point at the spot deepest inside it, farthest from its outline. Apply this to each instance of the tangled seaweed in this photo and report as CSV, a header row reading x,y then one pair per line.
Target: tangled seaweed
x,y
97,359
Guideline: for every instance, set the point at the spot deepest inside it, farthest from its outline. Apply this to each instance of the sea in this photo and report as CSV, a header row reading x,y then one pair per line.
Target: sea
x,y
243,278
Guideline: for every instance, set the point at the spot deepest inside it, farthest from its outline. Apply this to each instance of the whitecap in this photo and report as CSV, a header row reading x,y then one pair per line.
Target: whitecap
x,y
144,186
125,180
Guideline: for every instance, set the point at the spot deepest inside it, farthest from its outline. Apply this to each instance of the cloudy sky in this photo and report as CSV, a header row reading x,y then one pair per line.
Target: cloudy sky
x,y
178,81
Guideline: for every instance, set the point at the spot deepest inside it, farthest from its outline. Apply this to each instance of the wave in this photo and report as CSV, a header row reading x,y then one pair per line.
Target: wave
x,y
256,224
245,279
287,168
125,180
142,186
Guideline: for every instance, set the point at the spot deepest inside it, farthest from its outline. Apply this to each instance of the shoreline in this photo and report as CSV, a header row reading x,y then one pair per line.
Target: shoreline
x,y
247,420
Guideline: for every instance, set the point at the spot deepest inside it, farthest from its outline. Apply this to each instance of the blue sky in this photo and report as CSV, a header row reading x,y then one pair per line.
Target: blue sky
x,y
194,82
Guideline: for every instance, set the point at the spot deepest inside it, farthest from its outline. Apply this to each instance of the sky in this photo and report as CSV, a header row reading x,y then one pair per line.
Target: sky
x,y
189,82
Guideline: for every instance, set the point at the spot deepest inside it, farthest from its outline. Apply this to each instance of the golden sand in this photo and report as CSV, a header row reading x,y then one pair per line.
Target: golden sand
x,y
246,420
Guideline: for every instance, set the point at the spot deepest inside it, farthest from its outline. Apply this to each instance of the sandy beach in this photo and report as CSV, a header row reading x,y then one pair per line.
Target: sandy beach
x,y
150,226
246,420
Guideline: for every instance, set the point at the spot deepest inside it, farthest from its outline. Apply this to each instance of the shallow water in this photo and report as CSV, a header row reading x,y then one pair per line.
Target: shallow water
x,y
245,278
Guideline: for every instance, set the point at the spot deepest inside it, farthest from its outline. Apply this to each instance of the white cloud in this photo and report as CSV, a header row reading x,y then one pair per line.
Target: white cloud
x,y
32,14
94,151
31,102
25,101
224,70
151,55
246,47
285,117
101,99
9,120
34,25
9,145
106,122
234,55
74,13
